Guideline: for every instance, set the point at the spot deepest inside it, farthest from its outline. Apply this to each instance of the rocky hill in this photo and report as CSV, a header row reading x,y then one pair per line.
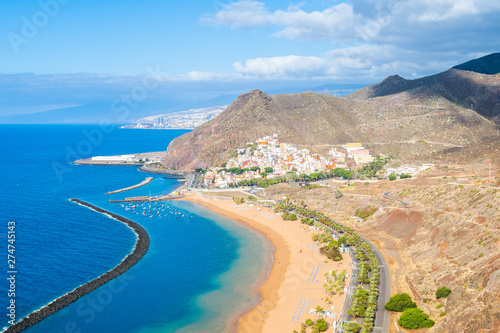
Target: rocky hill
x,y
306,118
435,109
473,85
447,235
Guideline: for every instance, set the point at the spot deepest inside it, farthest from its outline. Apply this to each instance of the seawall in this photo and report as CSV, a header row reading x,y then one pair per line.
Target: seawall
x,y
144,182
140,249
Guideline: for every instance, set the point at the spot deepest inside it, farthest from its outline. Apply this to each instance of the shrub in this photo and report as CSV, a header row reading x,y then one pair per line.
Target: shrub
x,y
351,328
404,175
292,217
309,322
392,177
415,318
442,314
400,302
439,306
321,325
443,292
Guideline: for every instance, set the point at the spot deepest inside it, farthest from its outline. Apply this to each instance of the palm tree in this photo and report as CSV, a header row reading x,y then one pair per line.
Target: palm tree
x,y
319,310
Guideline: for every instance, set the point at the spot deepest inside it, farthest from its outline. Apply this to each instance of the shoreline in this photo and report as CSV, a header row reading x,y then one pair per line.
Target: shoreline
x,y
294,285
268,285
140,248
144,182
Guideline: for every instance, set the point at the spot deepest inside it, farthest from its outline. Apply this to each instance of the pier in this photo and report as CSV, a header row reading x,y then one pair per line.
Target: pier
x,y
144,182
149,199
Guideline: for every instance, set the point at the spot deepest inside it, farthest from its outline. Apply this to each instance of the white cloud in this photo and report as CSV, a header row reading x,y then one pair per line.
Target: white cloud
x,y
363,20
243,14
279,67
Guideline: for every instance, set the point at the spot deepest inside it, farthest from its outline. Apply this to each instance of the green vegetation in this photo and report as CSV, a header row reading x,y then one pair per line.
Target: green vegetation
x,y
251,198
415,318
309,322
331,251
366,305
289,216
269,169
238,200
359,303
443,292
313,186
400,302
404,175
366,212
307,221
442,314
371,169
320,325
351,328
335,282
439,306
392,177
338,172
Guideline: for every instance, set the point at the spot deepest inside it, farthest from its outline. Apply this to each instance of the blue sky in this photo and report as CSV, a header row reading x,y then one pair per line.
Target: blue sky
x,y
75,44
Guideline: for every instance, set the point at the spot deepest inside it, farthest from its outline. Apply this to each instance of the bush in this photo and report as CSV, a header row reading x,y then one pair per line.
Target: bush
x,y
404,175
321,325
400,302
309,322
251,198
443,292
292,217
392,177
351,327
415,318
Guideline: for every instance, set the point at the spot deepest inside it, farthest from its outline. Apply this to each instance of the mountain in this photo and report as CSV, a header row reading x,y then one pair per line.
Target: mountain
x,y
473,85
303,118
434,109
489,64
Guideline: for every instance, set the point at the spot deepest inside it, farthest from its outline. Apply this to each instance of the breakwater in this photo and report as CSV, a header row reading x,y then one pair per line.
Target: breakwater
x,y
144,182
140,249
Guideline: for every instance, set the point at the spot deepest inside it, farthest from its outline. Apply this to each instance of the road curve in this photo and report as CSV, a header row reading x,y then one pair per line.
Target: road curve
x,y
386,194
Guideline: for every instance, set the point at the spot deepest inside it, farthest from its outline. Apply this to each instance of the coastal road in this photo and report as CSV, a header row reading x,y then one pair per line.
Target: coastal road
x,y
382,317
386,194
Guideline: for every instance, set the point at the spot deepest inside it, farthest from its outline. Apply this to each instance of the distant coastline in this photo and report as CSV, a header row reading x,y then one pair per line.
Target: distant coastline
x,y
140,249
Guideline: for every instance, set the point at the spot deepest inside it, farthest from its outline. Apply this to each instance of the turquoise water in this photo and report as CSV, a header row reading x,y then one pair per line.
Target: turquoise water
x,y
198,272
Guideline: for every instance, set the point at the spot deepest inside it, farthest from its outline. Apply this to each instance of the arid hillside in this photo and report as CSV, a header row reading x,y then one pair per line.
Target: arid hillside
x,y
447,235
429,116
473,85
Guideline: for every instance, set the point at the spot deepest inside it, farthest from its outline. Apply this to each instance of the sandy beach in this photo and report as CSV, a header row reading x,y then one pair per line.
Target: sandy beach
x,y
294,287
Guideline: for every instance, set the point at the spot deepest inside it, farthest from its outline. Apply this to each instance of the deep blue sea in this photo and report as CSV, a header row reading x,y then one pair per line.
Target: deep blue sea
x,y
200,269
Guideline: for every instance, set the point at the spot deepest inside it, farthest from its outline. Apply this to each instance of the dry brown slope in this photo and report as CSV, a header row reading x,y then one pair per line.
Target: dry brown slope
x,y
476,91
305,118
315,119
448,235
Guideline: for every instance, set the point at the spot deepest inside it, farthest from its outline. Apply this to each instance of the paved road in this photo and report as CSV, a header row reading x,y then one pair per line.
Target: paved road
x,y
386,194
382,317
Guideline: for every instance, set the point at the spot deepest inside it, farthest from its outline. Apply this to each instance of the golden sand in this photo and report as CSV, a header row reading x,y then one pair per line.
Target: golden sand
x,y
295,284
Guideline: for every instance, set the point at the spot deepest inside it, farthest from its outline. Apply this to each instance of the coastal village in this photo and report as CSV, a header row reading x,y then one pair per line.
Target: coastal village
x,y
268,157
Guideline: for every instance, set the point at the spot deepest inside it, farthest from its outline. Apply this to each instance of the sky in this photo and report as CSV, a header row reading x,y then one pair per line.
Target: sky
x,y
90,50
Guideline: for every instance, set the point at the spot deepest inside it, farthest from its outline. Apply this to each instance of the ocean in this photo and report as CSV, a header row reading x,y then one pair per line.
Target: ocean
x,y
200,270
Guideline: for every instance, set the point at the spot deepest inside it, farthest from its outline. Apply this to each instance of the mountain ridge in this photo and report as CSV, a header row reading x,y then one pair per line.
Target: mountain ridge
x,y
430,109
